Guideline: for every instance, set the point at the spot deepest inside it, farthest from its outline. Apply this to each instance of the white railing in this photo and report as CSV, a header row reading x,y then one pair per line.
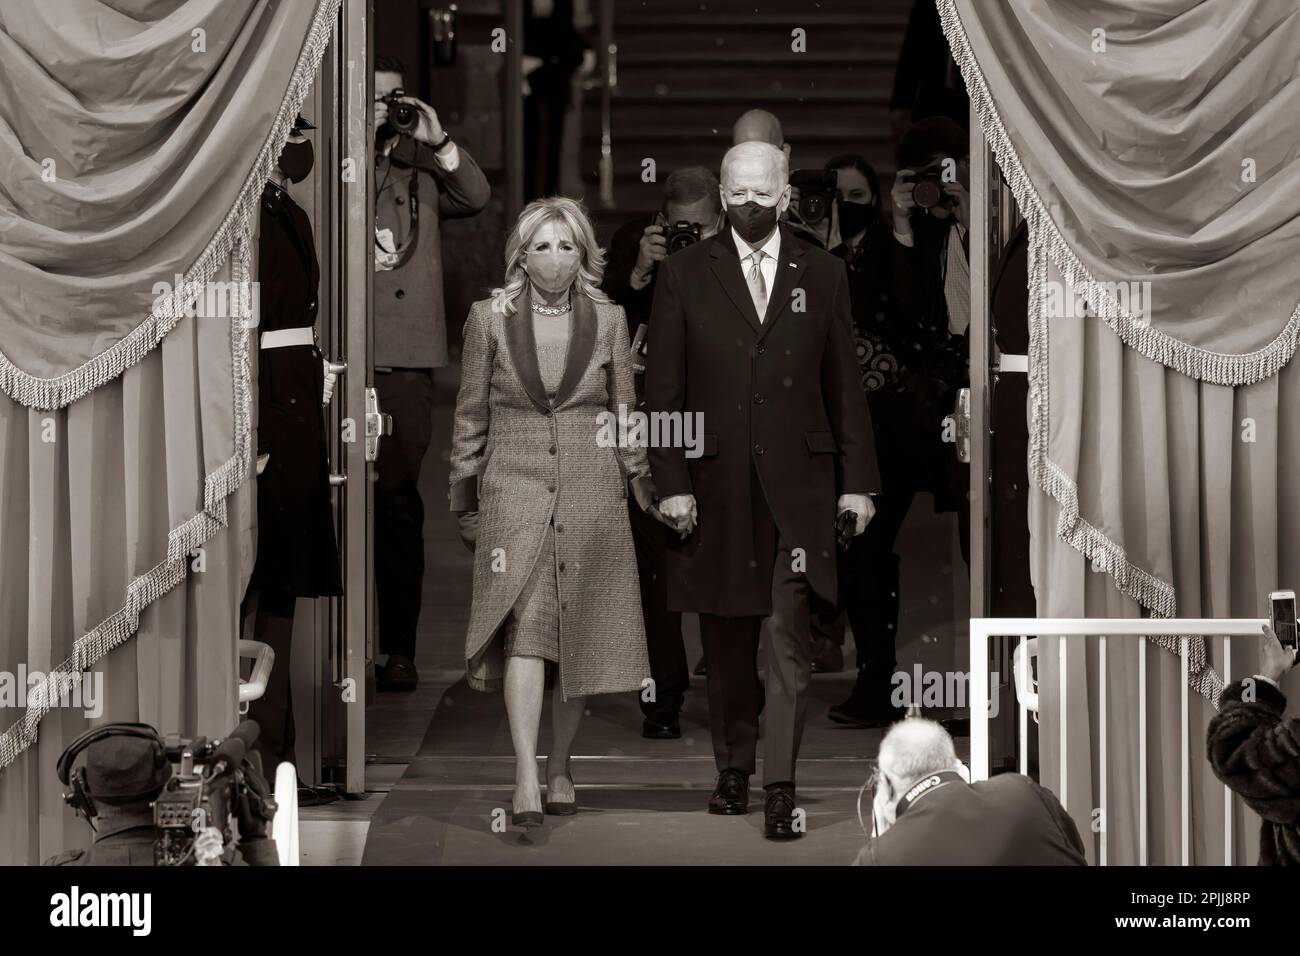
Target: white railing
x,y
983,628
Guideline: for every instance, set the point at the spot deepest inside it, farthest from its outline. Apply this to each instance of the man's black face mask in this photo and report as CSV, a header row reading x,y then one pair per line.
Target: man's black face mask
x,y
752,221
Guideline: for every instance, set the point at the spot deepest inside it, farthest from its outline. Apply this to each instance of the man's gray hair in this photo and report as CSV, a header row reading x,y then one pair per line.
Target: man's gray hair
x,y
756,150
915,748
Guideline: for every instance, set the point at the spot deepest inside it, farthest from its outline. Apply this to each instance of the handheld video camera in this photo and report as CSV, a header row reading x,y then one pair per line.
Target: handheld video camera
x,y
206,783
403,117
210,783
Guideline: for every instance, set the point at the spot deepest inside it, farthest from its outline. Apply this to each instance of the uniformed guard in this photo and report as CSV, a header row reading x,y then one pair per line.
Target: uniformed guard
x,y
297,552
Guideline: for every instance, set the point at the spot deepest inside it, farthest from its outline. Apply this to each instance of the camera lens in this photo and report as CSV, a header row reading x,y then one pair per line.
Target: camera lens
x,y
927,193
812,207
403,117
682,235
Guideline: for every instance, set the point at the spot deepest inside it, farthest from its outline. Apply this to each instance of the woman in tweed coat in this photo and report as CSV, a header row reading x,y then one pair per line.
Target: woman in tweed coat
x,y
542,493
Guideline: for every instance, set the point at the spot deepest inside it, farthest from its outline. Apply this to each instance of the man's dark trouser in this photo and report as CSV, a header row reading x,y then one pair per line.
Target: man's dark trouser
x,y
406,395
663,628
730,644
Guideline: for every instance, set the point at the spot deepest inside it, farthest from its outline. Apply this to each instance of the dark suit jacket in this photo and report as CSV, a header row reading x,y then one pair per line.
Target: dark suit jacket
x,y
1256,753
781,399
1006,821
410,317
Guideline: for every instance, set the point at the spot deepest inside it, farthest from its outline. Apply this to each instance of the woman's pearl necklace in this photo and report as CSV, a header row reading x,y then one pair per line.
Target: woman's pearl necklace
x,y
552,310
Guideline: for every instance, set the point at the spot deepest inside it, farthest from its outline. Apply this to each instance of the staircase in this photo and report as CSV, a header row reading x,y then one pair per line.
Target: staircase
x,y
688,68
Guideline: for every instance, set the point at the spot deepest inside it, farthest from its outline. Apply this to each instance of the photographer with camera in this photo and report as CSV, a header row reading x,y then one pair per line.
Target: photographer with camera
x,y
691,212
926,812
167,802
421,177
912,365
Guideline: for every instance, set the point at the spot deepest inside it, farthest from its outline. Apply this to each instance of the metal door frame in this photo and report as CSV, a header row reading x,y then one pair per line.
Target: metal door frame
x,y
344,690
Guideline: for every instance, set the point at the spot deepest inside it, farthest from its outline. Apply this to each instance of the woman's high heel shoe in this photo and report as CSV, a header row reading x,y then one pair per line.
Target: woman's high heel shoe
x,y
561,808
526,819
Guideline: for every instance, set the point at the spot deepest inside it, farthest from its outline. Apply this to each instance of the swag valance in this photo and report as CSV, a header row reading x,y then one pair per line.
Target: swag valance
x,y
135,138
1154,149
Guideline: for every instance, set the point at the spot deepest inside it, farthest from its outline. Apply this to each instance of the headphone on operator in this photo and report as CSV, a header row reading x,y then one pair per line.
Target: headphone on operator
x,y
79,797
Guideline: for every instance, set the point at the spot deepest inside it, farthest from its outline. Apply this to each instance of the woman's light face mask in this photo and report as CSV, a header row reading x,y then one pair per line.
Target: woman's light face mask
x,y
552,258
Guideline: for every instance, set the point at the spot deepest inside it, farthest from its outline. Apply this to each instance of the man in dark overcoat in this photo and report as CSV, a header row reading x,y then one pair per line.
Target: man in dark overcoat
x,y
752,340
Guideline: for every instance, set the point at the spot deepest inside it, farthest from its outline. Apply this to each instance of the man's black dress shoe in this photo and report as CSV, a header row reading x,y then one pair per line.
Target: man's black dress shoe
x,y
731,795
778,813
398,674
661,725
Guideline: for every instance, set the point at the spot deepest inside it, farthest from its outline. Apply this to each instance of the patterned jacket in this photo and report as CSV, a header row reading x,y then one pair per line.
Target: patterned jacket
x,y
523,458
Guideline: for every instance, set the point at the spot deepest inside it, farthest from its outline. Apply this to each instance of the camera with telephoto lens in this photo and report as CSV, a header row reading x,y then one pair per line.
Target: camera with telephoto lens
x,y
816,190
403,117
680,235
927,189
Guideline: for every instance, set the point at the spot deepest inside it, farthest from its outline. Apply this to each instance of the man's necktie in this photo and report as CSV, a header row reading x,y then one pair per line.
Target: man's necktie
x,y
956,285
757,287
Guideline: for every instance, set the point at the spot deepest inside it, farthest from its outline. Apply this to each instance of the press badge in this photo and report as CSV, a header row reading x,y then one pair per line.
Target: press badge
x,y
385,250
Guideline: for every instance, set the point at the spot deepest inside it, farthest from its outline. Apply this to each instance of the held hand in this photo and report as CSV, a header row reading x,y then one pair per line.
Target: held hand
x,y
654,512
861,505
653,249
680,512
903,203
1274,659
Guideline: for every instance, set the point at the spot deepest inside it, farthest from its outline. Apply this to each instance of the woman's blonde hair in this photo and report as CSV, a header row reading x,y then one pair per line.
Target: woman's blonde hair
x,y
536,214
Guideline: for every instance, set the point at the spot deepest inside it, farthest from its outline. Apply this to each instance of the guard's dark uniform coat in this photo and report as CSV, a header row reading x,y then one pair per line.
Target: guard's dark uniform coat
x,y
296,549
785,421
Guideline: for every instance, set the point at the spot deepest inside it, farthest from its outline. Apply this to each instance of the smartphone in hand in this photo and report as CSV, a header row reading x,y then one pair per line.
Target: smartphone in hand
x,y
1283,617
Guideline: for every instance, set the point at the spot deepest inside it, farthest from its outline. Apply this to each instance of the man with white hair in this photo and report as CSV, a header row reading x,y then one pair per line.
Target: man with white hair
x,y
752,331
925,813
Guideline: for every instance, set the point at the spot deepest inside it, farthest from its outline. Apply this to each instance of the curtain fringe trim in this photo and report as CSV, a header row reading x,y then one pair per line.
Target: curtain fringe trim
x,y
233,243
1217,368
1103,552
1046,242
59,391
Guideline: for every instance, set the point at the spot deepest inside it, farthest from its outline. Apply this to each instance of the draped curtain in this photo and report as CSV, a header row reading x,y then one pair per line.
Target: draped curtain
x,y
135,139
1154,148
